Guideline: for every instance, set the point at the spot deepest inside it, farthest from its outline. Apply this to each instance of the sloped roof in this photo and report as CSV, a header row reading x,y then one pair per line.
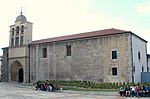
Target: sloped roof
x,y
111,31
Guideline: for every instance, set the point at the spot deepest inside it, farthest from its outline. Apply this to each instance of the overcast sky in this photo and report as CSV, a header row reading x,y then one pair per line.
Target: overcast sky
x,y
52,18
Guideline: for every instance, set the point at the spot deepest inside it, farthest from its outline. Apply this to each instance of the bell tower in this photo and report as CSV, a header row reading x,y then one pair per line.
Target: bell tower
x,y
18,50
20,32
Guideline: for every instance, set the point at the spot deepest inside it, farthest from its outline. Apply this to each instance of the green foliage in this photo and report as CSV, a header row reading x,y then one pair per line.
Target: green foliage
x,y
92,85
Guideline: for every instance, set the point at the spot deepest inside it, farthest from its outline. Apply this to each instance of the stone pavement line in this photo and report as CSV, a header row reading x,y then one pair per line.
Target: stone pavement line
x,y
17,91
71,96
93,93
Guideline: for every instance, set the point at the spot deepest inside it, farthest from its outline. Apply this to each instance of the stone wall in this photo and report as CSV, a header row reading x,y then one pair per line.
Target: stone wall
x,y
14,66
5,69
1,67
90,59
18,58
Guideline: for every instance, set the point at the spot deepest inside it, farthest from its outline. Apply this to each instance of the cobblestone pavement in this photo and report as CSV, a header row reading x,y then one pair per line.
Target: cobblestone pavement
x,y
17,91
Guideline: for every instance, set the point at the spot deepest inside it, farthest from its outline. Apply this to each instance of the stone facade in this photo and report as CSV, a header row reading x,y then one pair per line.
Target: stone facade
x,y
90,59
5,69
18,59
99,56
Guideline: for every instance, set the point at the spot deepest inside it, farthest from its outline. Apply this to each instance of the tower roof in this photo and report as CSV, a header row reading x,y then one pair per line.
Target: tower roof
x,y
21,18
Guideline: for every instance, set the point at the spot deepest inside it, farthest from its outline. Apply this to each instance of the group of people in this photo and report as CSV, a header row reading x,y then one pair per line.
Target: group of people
x,y
137,91
45,86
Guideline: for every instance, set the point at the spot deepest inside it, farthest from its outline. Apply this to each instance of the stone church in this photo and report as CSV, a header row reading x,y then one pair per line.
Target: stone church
x,y
109,55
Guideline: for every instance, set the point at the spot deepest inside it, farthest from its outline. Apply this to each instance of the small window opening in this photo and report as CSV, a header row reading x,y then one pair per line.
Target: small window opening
x,y
44,52
114,71
114,54
68,48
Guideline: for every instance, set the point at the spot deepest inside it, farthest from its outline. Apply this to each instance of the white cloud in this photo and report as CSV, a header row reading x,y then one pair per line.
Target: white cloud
x,y
144,7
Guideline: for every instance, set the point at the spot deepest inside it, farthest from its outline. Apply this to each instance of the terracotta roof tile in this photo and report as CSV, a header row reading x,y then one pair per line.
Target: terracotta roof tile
x,y
81,35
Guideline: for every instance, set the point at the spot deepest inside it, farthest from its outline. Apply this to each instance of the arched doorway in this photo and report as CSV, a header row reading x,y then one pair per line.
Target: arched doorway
x,y
16,72
20,75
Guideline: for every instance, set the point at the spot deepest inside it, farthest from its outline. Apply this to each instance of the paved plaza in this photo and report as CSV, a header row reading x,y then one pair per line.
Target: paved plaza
x,y
17,91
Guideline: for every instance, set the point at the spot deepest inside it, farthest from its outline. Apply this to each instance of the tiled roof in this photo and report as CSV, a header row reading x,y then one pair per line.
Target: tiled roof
x,y
81,35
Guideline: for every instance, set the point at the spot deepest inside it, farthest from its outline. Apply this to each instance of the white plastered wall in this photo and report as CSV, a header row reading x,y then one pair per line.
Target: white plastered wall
x,y
139,46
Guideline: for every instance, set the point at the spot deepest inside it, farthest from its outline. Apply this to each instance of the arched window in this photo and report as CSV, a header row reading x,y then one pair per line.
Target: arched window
x,y
17,30
22,29
12,31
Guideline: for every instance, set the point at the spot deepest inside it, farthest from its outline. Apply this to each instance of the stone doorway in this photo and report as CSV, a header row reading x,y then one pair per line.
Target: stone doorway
x,y
20,76
16,72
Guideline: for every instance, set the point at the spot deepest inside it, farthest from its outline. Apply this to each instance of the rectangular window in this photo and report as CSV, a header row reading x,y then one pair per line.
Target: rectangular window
x,y
114,54
21,41
68,48
12,41
114,71
139,55
17,41
44,52
142,69
134,69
